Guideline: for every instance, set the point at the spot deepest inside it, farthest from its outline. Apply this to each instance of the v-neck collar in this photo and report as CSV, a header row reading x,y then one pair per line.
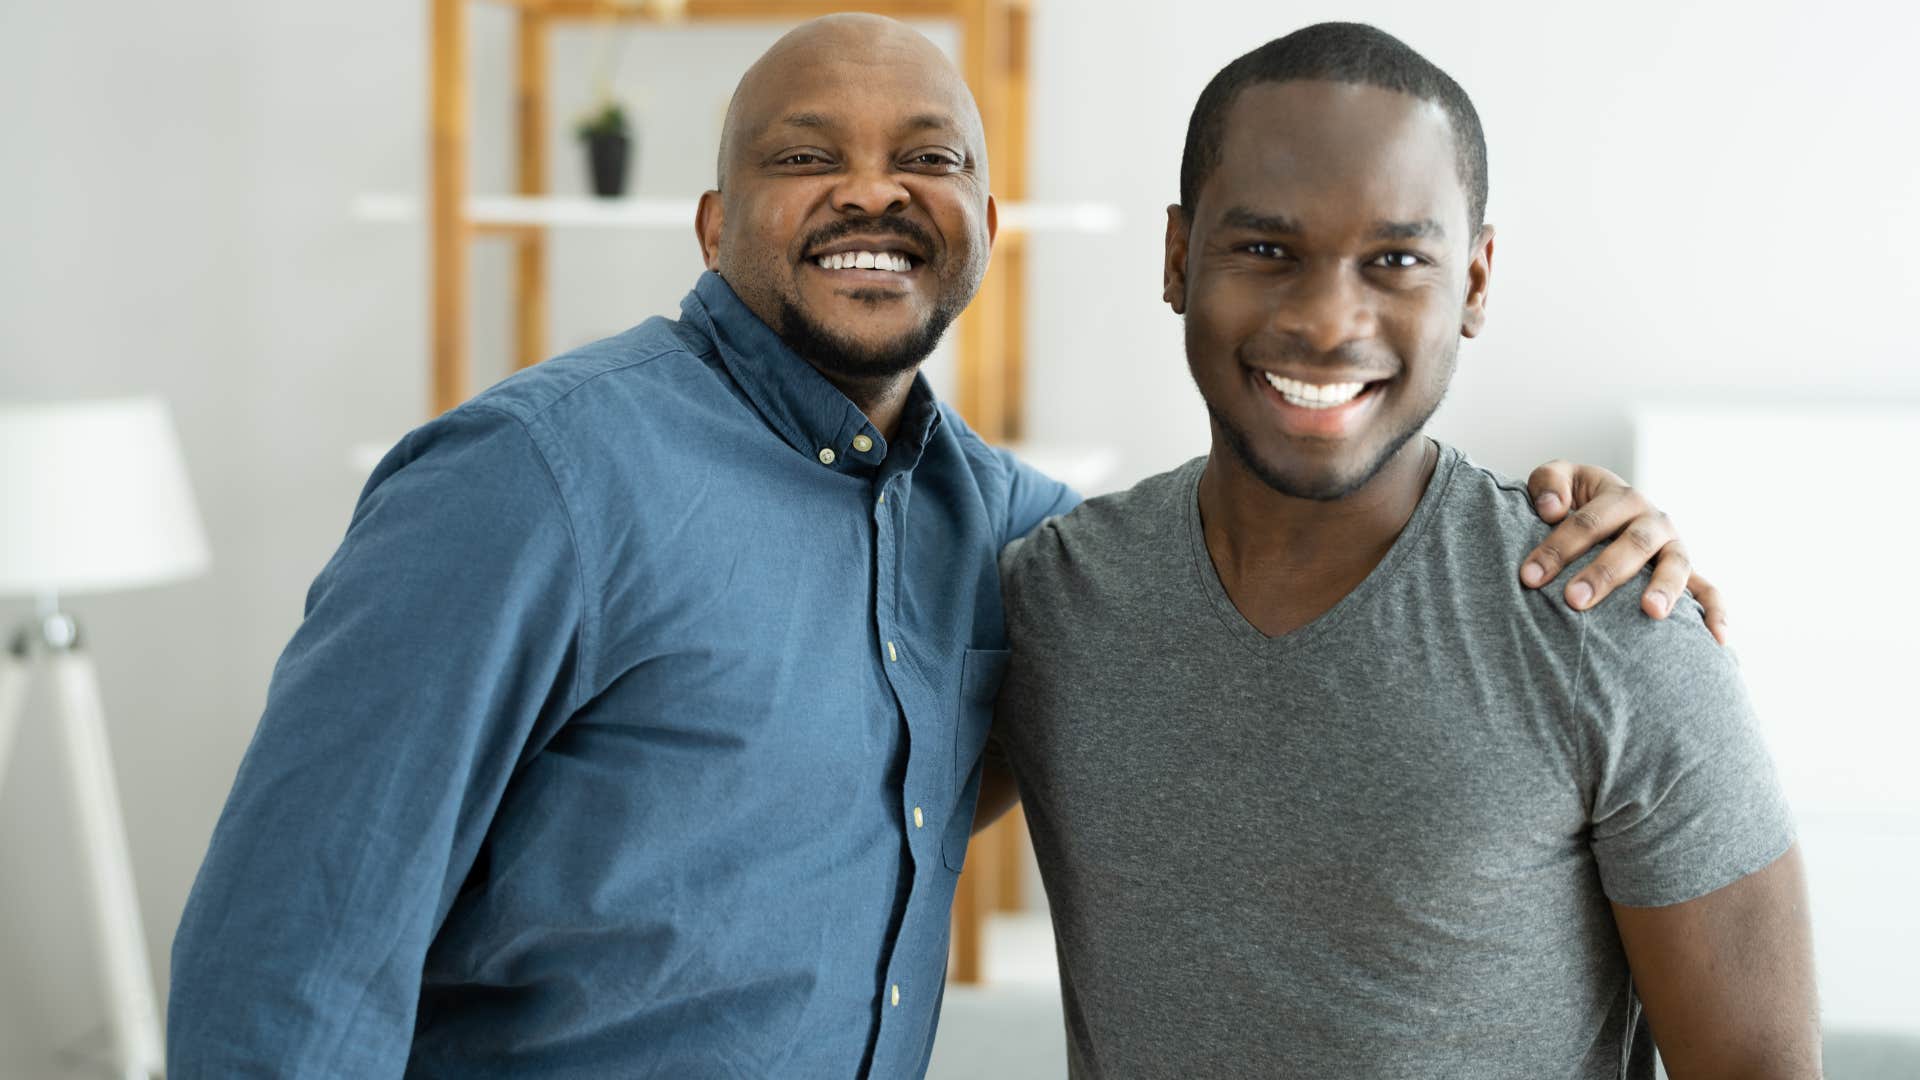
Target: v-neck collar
x,y
1249,635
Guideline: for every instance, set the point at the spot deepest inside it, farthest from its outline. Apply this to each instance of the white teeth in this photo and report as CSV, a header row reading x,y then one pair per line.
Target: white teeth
x,y
866,260
1312,395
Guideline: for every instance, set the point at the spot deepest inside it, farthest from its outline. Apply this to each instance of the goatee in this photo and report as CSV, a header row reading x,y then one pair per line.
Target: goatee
x,y
838,356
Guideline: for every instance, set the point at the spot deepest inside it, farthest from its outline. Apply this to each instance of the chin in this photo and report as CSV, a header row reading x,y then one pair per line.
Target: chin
x,y
1321,473
859,349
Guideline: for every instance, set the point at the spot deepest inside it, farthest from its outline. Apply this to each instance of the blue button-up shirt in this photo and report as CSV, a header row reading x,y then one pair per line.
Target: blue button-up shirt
x,y
633,731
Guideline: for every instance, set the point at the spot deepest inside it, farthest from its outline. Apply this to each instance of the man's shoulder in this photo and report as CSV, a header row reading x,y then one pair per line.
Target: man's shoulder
x,y
626,371
1490,512
603,402
1489,528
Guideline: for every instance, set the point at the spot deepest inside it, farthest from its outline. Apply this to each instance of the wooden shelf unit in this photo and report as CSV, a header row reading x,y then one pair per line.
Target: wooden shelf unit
x,y
990,334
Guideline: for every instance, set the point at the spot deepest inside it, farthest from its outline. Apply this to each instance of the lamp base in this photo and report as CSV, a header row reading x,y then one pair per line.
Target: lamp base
x,y
133,1015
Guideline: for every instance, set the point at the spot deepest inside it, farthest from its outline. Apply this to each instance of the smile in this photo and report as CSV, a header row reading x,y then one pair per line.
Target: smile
x,y
1332,410
898,262
1308,395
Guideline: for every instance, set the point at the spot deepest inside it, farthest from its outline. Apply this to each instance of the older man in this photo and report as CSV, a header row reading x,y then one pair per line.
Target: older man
x,y
634,728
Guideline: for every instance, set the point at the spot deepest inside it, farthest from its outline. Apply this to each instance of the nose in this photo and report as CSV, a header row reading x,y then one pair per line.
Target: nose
x,y
871,189
1327,306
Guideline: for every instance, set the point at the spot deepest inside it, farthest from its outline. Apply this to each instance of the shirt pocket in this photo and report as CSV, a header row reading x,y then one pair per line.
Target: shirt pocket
x,y
980,675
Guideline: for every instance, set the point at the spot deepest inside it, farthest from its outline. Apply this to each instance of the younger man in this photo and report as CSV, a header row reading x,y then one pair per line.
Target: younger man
x,y
1317,788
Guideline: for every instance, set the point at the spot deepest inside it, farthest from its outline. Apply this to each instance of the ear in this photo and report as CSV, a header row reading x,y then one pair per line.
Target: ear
x,y
1479,274
706,227
1173,288
993,221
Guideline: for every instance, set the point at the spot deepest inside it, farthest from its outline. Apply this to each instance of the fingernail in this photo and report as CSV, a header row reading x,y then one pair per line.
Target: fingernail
x,y
1549,502
1659,602
1533,574
1579,594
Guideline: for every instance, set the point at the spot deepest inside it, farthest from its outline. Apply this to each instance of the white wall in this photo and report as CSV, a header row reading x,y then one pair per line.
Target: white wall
x,y
1694,201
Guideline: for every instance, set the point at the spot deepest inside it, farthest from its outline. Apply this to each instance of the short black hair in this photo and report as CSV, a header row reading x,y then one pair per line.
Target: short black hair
x,y
1353,53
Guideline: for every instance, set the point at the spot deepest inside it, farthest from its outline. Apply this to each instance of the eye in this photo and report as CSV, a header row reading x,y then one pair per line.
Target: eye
x,y
933,159
801,157
1266,249
1398,260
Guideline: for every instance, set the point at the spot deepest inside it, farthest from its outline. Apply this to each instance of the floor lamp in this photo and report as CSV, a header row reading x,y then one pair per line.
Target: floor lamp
x,y
93,498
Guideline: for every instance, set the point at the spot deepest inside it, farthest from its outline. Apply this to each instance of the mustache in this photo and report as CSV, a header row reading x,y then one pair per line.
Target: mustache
x,y
1273,349
845,227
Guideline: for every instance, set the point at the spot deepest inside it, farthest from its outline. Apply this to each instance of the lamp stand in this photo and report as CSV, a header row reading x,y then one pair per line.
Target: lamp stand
x,y
133,1015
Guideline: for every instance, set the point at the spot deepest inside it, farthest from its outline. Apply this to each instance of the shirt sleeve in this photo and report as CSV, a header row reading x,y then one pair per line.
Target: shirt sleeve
x,y
441,644
1684,798
1032,497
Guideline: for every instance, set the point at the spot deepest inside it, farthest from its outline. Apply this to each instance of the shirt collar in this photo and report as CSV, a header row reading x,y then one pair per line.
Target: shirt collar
x,y
808,412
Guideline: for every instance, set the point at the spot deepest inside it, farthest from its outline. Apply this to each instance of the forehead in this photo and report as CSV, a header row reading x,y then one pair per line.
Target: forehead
x,y
890,87
1326,151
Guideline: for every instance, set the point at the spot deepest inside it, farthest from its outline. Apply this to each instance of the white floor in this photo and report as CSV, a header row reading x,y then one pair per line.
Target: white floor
x,y
1009,1027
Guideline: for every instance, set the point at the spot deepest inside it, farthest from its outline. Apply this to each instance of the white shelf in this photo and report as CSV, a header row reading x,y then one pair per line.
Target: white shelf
x,y
585,211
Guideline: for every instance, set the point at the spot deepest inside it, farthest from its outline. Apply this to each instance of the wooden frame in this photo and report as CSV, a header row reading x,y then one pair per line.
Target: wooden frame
x,y
991,334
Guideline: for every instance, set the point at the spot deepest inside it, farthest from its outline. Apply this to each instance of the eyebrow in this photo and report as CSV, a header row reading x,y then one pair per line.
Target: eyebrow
x,y
916,122
1241,217
1424,229
926,121
802,120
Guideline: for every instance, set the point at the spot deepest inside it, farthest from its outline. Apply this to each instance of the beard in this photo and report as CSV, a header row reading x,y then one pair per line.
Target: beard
x,y
839,356
1333,487
1321,488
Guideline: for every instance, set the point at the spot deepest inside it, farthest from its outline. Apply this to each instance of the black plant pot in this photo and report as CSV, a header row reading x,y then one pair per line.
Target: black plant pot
x,y
607,155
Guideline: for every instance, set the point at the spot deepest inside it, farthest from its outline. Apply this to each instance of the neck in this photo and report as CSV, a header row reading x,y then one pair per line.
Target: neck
x,y
1285,560
883,399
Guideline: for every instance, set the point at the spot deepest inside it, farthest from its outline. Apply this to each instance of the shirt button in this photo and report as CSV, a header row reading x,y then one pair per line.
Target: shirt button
x,y
891,654
862,443
896,995
919,819
826,455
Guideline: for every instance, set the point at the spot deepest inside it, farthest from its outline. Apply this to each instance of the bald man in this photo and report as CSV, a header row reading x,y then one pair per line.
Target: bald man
x,y
634,729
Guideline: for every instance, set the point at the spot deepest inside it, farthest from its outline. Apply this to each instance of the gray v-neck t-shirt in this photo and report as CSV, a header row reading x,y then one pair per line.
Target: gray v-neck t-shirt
x,y
1381,845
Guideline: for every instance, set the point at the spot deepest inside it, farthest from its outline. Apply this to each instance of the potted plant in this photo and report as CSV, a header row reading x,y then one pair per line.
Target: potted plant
x,y
608,139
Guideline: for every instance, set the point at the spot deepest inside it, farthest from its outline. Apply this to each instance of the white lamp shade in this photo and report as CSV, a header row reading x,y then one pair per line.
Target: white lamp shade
x,y
94,497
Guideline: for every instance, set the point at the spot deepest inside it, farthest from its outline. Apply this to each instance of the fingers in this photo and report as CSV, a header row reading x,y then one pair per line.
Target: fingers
x,y
1637,545
1716,605
1599,519
1671,568
1551,488
1606,507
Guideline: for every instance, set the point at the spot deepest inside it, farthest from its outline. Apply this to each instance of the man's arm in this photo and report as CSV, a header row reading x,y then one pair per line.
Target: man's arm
x,y
999,792
1727,979
1587,505
1032,497
439,644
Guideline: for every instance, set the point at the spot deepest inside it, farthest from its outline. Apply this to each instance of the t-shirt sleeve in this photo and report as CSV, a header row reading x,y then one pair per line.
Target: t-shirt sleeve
x,y
1683,795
